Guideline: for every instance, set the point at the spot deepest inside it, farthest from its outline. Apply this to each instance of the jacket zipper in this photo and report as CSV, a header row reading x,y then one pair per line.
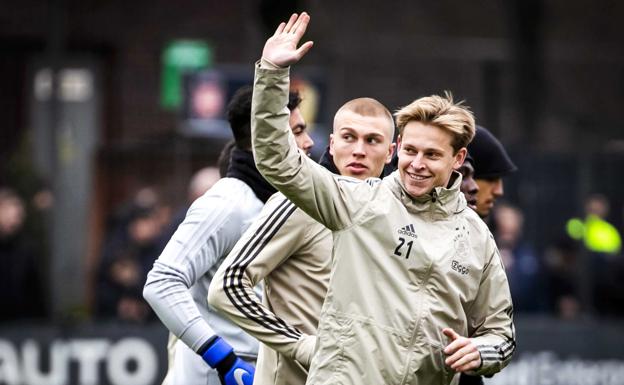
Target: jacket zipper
x,y
421,298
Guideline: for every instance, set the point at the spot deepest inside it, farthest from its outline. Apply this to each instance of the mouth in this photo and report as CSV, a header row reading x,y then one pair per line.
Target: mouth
x,y
417,177
356,167
472,203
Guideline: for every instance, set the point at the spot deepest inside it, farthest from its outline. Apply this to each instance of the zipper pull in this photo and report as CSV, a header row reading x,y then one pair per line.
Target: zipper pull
x,y
434,196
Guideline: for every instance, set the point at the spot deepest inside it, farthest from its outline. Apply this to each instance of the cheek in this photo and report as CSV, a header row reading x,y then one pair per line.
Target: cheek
x,y
404,162
339,154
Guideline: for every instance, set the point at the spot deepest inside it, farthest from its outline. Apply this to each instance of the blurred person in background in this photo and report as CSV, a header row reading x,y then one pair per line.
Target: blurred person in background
x,y
523,267
125,262
201,181
205,346
563,278
21,282
293,258
602,244
491,163
597,234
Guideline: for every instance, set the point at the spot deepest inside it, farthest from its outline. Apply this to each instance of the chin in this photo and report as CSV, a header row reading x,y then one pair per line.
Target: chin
x,y
483,213
416,192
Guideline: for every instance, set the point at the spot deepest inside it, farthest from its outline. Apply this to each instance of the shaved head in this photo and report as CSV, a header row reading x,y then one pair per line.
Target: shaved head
x,y
367,107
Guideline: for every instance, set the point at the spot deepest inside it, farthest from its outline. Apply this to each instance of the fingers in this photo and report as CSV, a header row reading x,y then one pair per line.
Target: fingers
x,y
301,24
471,361
450,333
456,345
462,356
291,22
280,28
305,47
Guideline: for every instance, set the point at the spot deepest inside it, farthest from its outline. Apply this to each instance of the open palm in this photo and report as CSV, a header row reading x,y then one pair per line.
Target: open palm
x,y
281,48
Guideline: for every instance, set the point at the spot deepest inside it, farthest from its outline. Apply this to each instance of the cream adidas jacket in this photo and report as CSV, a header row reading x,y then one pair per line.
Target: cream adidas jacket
x,y
402,270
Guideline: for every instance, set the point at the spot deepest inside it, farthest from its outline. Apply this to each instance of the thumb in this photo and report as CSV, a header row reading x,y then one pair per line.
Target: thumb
x,y
305,47
450,333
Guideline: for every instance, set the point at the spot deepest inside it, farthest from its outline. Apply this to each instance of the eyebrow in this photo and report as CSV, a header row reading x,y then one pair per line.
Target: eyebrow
x,y
367,134
428,149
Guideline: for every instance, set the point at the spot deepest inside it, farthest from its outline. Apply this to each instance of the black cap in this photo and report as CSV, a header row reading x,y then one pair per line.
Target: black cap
x,y
490,158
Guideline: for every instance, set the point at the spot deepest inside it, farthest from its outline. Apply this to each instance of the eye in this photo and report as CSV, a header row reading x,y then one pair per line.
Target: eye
x,y
298,130
373,140
347,137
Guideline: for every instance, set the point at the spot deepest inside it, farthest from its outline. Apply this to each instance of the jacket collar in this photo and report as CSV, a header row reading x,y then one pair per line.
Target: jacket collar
x,y
439,203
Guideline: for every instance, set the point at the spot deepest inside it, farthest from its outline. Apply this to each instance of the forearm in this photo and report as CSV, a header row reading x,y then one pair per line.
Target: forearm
x,y
276,235
169,296
234,297
307,184
496,353
494,334
275,151
189,255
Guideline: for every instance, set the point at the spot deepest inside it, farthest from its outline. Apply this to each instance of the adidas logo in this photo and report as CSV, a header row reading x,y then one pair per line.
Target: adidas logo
x,y
408,230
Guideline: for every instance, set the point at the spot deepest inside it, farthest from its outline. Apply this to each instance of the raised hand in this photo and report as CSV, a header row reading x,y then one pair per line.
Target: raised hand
x,y
281,48
462,353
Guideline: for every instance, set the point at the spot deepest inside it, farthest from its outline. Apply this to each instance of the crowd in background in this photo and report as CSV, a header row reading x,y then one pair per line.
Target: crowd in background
x,y
549,281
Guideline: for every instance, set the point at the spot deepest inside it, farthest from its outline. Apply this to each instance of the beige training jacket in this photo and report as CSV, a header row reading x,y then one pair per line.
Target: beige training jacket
x,y
402,270
290,253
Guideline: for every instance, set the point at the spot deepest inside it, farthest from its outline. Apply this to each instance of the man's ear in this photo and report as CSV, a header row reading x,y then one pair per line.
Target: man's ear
x,y
331,144
460,156
390,152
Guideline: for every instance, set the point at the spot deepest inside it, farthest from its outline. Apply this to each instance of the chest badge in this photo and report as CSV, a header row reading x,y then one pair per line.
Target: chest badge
x,y
462,251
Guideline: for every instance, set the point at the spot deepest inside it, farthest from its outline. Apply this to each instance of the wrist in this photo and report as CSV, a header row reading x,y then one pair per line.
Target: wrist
x,y
304,350
268,64
216,351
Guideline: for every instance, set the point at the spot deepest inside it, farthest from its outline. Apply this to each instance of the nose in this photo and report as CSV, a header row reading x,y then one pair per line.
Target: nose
x,y
497,188
473,187
417,162
308,143
359,148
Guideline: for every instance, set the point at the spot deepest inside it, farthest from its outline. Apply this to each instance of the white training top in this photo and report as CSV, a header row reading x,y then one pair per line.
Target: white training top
x,y
177,286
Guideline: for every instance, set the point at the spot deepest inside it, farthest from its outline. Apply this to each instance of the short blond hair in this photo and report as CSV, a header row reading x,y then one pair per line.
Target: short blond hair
x,y
442,112
367,107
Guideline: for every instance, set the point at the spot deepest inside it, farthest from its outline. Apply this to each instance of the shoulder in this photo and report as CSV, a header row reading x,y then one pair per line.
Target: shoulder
x,y
228,197
279,206
228,189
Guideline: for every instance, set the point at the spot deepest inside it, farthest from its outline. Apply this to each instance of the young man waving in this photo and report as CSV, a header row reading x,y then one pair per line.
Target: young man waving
x,y
414,272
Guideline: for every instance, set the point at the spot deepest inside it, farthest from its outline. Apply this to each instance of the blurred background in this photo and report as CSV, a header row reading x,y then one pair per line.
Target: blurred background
x,y
110,109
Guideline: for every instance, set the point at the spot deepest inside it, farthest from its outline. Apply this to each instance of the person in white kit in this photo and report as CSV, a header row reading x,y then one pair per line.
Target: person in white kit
x,y
205,348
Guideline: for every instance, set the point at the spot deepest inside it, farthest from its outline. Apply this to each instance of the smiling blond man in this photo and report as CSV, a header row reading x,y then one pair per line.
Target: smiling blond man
x,y
417,292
